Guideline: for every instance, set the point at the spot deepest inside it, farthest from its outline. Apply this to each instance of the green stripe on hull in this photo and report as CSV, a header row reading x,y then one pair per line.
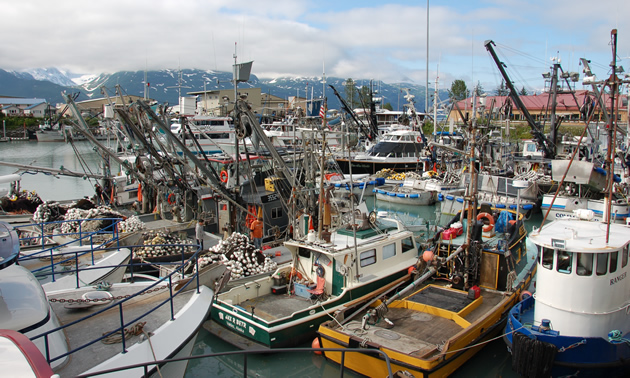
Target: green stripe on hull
x,y
280,333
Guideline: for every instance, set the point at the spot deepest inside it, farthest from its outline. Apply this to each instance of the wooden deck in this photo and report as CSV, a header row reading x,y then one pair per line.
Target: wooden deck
x,y
421,334
272,307
92,328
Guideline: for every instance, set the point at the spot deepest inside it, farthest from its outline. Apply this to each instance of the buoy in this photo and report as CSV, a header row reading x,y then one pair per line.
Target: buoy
x,y
224,176
488,227
171,199
524,295
315,345
411,270
427,256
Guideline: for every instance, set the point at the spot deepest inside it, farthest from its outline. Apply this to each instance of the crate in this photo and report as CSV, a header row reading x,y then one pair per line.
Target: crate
x,y
301,290
270,184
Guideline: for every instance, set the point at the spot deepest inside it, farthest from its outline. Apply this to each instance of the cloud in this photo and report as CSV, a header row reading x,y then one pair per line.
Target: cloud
x,y
296,38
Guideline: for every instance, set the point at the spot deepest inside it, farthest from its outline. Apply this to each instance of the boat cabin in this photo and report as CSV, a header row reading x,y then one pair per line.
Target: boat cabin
x,y
582,278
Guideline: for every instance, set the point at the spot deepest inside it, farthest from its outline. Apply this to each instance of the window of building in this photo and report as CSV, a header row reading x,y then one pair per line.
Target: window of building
x,y
368,257
624,257
389,251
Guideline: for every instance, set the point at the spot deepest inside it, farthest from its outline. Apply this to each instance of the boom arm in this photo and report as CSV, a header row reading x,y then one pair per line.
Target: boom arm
x,y
547,146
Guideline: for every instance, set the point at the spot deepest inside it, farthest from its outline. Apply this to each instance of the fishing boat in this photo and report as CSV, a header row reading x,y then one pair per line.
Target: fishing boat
x,y
286,307
85,330
415,191
577,320
474,270
400,150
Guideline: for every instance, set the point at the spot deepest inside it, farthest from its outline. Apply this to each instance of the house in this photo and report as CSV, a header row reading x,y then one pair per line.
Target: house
x,y
568,105
15,106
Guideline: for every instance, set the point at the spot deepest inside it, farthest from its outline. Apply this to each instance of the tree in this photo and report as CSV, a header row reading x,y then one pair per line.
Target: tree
x,y
502,90
523,92
349,87
388,106
458,90
478,89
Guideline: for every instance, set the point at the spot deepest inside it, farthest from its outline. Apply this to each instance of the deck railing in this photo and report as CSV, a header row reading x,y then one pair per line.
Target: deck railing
x,y
149,366
164,282
42,232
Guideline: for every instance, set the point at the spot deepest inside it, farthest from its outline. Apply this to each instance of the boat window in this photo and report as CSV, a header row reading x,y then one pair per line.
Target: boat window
x,y
368,257
389,251
584,264
564,262
624,257
602,264
304,252
613,261
407,244
276,213
547,258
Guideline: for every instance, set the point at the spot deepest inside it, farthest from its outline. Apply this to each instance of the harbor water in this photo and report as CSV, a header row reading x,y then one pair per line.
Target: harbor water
x,y
492,361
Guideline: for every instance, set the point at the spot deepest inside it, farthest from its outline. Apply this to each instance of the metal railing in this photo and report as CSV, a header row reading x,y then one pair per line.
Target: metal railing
x,y
43,231
164,282
149,366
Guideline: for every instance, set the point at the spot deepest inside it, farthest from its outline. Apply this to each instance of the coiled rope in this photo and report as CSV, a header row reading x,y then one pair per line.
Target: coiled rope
x,y
616,337
117,336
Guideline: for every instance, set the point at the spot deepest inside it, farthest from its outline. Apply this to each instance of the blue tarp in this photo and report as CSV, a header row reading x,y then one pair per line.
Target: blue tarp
x,y
502,222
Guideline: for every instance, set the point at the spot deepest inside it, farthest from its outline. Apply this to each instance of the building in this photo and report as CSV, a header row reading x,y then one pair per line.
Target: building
x,y
97,106
220,102
568,105
28,107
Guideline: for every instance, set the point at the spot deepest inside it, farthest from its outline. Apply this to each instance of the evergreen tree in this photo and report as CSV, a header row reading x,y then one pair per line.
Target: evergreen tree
x,y
523,92
502,90
349,87
458,90
388,106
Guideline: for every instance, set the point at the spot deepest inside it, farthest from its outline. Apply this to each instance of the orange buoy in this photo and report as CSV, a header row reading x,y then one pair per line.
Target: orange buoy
x,y
411,269
524,295
427,256
315,345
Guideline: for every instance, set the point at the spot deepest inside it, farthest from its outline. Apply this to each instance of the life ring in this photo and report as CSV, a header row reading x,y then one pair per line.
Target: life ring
x,y
223,176
171,199
418,139
487,227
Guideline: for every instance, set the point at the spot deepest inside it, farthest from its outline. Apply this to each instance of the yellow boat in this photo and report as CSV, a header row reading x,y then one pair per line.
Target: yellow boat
x,y
468,283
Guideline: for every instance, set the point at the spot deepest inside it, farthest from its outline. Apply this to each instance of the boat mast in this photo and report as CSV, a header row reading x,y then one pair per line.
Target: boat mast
x,y
613,82
471,197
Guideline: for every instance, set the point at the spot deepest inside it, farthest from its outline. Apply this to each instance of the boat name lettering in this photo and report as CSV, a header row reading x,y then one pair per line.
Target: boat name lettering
x,y
618,278
236,322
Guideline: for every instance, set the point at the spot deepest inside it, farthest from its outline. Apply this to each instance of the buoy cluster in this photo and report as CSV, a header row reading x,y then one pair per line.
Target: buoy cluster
x,y
47,212
240,256
158,244
390,174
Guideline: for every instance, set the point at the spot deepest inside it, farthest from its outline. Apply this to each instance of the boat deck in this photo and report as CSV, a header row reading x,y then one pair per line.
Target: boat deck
x,y
271,306
418,333
94,327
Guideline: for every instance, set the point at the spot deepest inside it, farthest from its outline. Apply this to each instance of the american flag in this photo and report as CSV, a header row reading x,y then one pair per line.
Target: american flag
x,y
322,110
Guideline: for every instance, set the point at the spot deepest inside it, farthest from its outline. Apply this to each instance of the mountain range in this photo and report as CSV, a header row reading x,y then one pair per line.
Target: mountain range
x,y
165,86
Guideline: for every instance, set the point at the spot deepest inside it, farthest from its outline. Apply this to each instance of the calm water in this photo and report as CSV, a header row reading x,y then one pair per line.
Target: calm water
x,y
492,361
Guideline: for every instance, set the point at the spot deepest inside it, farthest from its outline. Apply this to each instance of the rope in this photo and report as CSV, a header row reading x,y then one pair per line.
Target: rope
x,y
574,345
616,337
117,337
152,351
484,342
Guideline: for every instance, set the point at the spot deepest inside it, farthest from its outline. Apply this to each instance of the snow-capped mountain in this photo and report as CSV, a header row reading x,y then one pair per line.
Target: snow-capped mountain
x,y
167,85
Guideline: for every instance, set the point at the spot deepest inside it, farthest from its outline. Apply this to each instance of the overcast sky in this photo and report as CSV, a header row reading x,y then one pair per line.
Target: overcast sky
x,y
357,39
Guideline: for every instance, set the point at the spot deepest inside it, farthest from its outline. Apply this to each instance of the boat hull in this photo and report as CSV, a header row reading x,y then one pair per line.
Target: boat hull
x,y
586,355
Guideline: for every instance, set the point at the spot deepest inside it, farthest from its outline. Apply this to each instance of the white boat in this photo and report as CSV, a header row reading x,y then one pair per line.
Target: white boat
x,y
577,320
399,150
418,192
69,325
583,189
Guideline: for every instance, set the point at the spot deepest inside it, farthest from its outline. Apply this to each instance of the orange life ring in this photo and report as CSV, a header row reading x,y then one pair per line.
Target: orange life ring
x,y
171,199
418,139
224,176
490,218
